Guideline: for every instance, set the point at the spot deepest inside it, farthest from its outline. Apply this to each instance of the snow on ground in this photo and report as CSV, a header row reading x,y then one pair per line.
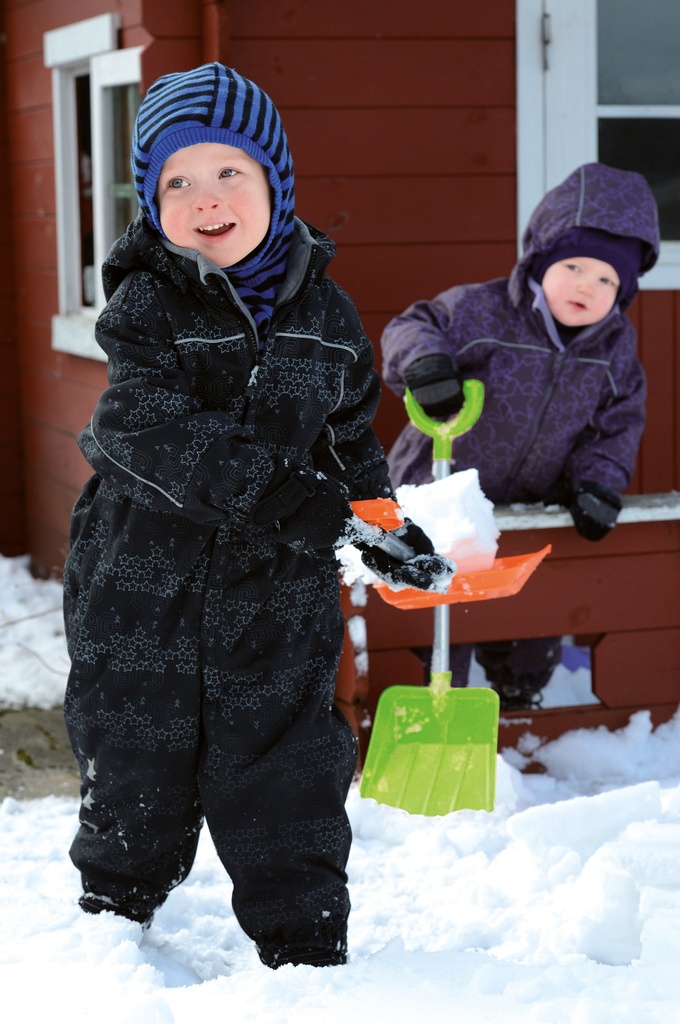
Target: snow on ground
x,y
562,906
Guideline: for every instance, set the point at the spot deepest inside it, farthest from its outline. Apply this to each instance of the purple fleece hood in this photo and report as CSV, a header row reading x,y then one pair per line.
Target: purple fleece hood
x,y
593,196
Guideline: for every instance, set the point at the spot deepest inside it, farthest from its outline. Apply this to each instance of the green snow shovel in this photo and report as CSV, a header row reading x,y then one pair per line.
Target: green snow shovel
x,y
433,749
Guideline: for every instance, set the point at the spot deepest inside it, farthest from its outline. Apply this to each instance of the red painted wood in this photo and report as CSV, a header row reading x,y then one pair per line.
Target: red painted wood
x,y
389,141
311,19
48,549
35,242
50,452
624,591
339,72
30,136
51,503
638,591
33,189
656,311
408,210
164,55
30,84
387,278
175,21
630,668
66,409
26,22
12,531
32,283
551,723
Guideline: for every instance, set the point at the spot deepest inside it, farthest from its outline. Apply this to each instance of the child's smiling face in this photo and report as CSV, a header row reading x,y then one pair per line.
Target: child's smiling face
x,y
580,290
214,198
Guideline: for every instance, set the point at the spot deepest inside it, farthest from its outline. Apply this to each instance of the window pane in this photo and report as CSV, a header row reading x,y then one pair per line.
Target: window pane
x,y
125,101
84,142
638,51
652,147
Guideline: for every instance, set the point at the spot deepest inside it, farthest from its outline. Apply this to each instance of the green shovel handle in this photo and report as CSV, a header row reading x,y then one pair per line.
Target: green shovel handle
x,y
442,434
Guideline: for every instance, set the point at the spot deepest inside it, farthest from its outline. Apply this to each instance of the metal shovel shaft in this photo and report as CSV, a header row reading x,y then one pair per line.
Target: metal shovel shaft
x,y
393,545
442,434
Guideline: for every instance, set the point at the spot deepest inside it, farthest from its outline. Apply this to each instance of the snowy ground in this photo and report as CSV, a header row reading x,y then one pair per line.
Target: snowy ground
x,y
560,907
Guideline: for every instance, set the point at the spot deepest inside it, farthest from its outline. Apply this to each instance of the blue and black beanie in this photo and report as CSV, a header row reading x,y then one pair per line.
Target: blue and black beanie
x,y
213,103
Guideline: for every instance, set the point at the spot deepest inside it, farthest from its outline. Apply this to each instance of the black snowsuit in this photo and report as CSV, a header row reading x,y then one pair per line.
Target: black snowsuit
x,y
204,652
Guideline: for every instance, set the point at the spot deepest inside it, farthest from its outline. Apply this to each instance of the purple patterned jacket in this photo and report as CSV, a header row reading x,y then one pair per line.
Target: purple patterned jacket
x,y
554,413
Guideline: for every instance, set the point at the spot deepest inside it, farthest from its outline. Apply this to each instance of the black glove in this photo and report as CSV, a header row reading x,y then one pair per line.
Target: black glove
x,y
309,511
594,509
435,385
426,571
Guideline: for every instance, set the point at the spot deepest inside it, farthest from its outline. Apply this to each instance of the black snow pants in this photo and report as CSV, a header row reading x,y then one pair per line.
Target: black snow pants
x,y
202,681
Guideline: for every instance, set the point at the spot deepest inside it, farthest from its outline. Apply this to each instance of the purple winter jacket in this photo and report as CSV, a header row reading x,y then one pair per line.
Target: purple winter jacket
x,y
554,413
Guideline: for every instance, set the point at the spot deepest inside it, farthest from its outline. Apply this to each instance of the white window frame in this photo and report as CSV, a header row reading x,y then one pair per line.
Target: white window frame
x,y
557,109
85,47
107,71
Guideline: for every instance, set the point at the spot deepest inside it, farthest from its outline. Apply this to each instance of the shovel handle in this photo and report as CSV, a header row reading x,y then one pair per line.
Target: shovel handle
x,y
386,515
443,433
394,546
383,512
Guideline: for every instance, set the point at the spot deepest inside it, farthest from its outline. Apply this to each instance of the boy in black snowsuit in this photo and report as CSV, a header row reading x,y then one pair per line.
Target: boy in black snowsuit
x,y
201,588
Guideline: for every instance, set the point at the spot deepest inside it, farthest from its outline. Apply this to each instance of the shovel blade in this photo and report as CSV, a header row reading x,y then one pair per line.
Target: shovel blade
x,y
433,753
505,578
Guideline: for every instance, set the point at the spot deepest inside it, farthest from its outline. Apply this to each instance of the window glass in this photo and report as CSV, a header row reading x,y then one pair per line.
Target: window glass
x,y
650,146
638,51
125,100
84,143
638,48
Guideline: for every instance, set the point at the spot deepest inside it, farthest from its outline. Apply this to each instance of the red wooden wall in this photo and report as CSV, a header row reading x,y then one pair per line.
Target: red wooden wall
x,y
12,536
402,128
401,122
57,391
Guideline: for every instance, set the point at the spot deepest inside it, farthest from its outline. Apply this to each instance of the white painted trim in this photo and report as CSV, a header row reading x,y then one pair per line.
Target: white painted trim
x,y
637,508
530,111
660,110
570,88
74,333
74,43
66,187
84,47
121,67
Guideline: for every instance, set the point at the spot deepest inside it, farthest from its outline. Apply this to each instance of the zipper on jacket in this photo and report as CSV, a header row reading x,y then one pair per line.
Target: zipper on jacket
x,y
309,273
538,420
251,387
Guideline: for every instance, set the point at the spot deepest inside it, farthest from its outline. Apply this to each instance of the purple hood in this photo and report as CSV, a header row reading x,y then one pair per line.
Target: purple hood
x,y
593,196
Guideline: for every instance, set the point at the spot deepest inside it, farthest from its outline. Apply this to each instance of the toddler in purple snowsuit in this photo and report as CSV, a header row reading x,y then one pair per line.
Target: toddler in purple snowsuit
x,y
564,388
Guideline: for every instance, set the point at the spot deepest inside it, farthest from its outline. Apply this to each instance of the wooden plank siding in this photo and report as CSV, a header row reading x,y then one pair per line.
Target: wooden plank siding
x,y
402,130
12,534
402,127
54,393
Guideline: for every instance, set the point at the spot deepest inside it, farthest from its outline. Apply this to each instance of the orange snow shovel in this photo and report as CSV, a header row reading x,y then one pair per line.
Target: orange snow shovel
x,y
433,749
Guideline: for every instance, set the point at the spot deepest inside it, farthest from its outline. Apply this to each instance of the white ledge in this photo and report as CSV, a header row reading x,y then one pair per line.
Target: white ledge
x,y
637,508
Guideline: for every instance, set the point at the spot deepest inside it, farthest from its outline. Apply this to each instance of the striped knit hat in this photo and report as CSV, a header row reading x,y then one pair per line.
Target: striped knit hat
x,y
214,103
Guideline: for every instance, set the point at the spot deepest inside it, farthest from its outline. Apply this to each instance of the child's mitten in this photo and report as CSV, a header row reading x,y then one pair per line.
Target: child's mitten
x,y
425,571
594,509
435,385
309,511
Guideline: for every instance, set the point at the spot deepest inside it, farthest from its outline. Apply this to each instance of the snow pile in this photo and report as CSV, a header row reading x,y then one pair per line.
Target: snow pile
x,y
456,516
33,659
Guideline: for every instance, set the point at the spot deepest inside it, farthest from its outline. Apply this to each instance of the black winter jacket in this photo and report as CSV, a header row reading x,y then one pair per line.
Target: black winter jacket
x,y
196,419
